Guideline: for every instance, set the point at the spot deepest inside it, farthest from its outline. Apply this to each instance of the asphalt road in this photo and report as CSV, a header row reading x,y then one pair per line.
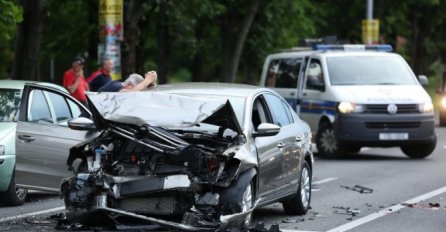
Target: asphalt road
x,y
398,194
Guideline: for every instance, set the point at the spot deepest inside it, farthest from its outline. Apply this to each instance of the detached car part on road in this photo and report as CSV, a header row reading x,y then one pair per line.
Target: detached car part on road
x,y
189,157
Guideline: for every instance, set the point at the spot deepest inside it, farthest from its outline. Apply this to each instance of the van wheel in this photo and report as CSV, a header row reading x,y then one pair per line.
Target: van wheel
x,y
419,151
14,195
300,203
326,143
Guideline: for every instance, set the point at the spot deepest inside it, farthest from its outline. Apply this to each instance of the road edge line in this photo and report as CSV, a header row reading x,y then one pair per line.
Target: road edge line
x,y
386,211
31,214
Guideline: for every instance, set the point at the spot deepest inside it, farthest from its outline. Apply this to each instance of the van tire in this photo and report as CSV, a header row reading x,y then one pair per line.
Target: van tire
x,y
326,143
419,151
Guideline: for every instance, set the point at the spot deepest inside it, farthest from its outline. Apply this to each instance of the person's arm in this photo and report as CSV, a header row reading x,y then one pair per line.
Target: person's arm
x,y
150,78
73,87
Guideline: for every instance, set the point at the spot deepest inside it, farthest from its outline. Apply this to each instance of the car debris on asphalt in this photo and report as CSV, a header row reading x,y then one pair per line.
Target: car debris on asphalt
x,y
358,188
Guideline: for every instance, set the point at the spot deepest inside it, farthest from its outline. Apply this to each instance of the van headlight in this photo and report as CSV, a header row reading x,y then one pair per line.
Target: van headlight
x,y
443,102
349,107
2,149
427,107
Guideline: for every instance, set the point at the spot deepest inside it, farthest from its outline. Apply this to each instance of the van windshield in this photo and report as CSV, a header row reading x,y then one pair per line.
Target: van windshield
x,y
369,70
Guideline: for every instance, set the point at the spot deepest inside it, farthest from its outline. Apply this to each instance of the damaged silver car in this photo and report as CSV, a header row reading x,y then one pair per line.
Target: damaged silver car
x,y
197,156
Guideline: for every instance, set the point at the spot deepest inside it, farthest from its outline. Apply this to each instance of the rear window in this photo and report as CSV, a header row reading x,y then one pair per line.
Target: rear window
x,y
9,104
369,70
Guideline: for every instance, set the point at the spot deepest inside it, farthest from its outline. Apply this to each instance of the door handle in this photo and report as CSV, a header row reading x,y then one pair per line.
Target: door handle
x,y
298,138
280,144
27,138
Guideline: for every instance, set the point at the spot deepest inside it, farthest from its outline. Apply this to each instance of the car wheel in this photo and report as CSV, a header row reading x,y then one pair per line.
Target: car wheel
x,y
326,143
247,202
300,202
13,196
419,151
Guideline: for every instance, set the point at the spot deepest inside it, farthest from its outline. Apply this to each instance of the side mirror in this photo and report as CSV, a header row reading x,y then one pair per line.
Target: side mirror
x,y
266,129
81,124
315,83
423,80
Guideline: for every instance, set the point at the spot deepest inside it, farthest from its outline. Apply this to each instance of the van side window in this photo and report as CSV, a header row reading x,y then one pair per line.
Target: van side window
x,y
315,79
283,73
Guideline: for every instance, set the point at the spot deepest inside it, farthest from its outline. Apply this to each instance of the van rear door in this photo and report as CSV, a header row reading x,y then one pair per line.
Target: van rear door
x,y
282,75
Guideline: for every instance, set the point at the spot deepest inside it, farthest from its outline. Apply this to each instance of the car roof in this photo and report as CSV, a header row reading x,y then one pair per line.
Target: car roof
x,y
210,88
335,53
19,84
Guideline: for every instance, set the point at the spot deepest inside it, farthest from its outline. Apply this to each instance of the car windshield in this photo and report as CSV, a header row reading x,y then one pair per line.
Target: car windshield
x,y
9,104
369,70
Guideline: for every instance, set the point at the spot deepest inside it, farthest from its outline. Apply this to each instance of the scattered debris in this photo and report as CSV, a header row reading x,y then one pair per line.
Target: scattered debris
x,y
34,221
260,227
358,188
346,210
429,206
287,220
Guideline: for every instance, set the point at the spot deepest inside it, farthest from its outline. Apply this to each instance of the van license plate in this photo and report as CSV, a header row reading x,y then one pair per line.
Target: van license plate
x,y
393,136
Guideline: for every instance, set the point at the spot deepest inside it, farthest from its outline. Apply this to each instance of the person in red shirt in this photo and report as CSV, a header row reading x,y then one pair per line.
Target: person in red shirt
x,y
74,80
101,76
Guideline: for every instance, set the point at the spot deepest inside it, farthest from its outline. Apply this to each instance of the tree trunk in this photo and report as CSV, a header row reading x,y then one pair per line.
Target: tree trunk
x,y
163,44
133,14
231,51
29,33
198,59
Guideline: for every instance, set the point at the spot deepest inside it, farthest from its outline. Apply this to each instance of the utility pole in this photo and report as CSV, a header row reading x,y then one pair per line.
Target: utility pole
x,y
370,26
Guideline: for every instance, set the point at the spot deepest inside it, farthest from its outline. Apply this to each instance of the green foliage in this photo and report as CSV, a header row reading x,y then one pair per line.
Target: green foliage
x,y
194,28
10,16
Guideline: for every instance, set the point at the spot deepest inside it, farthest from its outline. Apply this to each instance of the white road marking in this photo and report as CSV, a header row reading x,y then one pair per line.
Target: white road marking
x,y
387,211
325,180
31,214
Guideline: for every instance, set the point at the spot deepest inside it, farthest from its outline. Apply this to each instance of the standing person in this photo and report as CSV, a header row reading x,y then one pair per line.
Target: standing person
x,y
102,75
74,80
134,82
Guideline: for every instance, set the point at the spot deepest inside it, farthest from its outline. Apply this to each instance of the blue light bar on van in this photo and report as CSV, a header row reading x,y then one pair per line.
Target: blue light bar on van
x,y
353,47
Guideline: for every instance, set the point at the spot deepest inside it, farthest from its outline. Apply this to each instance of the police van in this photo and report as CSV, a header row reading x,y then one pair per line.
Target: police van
x,y
355,96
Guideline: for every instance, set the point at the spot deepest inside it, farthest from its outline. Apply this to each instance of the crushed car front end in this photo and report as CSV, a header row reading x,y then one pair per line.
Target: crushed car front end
x,y
160,171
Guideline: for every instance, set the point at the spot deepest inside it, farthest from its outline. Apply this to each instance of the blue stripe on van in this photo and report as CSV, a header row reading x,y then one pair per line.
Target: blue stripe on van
x,y
318,107
292,102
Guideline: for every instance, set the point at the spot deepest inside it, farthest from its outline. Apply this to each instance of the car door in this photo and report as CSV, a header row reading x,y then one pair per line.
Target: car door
x,y
43,138
269,153
288,141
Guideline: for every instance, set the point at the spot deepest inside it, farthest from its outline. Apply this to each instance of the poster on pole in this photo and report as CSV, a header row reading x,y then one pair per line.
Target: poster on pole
x,y
111,33
370,31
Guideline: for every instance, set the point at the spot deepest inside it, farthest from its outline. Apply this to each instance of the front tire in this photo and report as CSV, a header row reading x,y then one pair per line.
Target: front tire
x,y
13,196
326,143
419,151
300,202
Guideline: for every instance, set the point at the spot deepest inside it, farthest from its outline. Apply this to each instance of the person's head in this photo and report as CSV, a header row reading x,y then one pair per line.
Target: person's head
x,y
78,63
132,80
107,64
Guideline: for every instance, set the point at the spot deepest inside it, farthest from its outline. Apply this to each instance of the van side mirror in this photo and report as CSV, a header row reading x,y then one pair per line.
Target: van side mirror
x,y
423,80
315,82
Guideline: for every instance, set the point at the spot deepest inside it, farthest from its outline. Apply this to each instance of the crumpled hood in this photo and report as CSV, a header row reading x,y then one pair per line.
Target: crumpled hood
x,y
6,128
161,109
376,94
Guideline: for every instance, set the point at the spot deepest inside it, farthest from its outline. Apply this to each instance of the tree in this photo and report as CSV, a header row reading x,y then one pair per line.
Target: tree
x,y
10,16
